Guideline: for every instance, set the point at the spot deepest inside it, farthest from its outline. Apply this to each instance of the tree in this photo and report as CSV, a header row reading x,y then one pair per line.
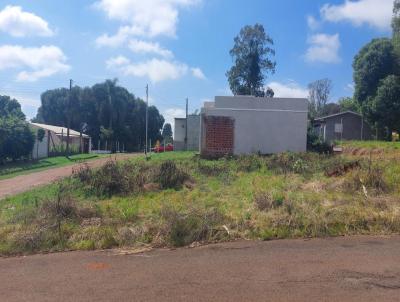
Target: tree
x,y
349,104
319,92
10,107
374,62
330,108
16,138
252,54
385,107
396,32
167,131
110,111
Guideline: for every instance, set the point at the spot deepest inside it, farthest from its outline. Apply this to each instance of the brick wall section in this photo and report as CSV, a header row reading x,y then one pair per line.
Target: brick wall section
x,y
219,134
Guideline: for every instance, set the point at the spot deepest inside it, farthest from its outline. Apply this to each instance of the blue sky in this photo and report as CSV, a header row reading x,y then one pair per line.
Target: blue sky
x,y
179,47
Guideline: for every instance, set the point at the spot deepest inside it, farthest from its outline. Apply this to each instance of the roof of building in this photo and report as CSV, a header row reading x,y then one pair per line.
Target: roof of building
x,y
58,130
337,114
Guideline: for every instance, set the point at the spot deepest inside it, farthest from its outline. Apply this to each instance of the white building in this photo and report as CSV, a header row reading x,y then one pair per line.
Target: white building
x,y
246,124
55,140
193,133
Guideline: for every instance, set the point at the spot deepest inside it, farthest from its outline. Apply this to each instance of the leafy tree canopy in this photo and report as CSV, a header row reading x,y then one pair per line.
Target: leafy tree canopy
x,y
10,107
385,107
109,111
16,137
167,131
252,54
349,104
374,62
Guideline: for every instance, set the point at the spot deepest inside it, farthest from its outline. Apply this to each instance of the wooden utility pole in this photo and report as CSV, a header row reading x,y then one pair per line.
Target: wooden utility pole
x,y
186,125
69,114
147,117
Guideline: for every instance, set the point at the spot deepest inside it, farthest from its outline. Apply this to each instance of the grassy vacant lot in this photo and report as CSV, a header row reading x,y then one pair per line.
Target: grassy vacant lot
x,y
177,199
14,169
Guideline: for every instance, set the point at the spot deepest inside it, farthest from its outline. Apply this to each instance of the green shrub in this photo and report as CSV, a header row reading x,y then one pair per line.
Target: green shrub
x,y
315,144
113,179
170,176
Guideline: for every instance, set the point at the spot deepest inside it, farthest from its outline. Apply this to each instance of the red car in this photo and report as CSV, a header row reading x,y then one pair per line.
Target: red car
x,y
160,148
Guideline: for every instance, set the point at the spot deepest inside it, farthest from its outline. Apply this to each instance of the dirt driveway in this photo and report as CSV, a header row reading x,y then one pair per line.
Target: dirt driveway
x,y
336,269
24,183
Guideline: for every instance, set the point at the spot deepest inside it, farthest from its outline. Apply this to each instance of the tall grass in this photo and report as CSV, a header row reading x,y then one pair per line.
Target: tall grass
x,y
178,199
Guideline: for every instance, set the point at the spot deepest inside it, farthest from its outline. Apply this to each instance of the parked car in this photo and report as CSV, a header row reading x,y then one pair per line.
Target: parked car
x,y
160,148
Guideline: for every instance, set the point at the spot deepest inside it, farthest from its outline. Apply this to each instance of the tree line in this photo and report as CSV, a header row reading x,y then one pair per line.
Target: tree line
x,y
105,111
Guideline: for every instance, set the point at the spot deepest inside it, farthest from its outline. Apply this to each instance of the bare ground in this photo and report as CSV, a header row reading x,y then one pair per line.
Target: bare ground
x,y
362,268
24,183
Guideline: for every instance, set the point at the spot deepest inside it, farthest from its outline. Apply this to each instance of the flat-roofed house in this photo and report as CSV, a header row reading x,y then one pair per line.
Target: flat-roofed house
x,y
246,124
192,134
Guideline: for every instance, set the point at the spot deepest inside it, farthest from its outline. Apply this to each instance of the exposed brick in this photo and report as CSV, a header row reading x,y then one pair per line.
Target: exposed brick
x,y
219,134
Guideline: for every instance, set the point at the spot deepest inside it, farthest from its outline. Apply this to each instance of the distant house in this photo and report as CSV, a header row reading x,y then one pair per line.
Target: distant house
x,y
246,124
193,133
346,125
55,141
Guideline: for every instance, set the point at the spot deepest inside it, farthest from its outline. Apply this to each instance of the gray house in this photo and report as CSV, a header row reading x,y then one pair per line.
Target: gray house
x,y
347,125
246,124
193,133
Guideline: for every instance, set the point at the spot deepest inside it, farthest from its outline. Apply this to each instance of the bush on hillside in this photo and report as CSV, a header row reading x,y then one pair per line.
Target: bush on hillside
x,y
315,144
170,176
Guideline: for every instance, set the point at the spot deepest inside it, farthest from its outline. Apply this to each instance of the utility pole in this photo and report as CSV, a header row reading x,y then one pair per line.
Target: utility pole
x,y
186,125
147,116
69,114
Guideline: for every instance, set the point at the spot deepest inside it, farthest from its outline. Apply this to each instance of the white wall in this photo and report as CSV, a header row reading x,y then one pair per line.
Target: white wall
x,y
40,148
264,125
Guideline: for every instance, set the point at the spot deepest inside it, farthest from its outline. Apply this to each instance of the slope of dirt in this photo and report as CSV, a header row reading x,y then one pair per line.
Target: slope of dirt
x,y
22,183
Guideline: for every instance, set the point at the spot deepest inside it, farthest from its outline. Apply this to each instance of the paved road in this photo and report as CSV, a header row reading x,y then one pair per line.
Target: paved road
x,y
26,182
340,269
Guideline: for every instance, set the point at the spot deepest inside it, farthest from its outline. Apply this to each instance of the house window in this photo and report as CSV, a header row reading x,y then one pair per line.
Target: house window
x,y
338,128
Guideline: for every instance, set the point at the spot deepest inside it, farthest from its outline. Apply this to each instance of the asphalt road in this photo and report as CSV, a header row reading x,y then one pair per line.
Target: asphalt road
x,y
22,183
339,269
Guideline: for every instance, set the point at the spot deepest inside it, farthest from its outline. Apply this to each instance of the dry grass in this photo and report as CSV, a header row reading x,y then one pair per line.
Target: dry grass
x,y
178,199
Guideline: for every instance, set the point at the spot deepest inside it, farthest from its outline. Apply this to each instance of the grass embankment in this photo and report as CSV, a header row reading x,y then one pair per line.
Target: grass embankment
x,y
14,169
175,199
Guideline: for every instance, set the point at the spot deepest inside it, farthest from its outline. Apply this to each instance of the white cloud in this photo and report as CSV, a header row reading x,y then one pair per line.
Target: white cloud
x,y
41,61
323,48
143,47
120,38
375,13
155,69
312,23
288,90
198,73
17,23
171,113
119,61
148,18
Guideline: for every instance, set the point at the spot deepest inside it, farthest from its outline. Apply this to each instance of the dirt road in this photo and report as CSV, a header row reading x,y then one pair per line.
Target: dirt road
x,y
340,269
24,183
